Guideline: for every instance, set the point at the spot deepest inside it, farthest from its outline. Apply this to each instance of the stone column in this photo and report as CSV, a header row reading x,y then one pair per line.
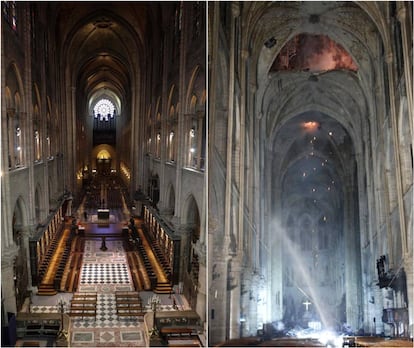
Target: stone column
x,y
398,176
8,125
229,157
235,298
200,118
202,285
408,267
8,291
27,232
242,146
352,259
407,51
217,301
184,232
6,208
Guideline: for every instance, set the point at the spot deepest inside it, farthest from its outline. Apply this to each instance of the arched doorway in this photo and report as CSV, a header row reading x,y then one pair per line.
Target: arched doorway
x,y
103,162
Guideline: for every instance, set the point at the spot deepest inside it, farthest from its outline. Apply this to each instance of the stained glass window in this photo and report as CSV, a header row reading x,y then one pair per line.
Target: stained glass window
x,y
104,110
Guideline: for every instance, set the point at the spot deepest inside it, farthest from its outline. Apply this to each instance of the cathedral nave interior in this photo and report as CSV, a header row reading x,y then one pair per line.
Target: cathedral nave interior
x,y
311,170
103,161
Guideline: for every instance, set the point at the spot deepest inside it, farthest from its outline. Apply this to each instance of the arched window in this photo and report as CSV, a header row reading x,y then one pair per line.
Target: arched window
x,y
104,110
9,13
36,135
18,147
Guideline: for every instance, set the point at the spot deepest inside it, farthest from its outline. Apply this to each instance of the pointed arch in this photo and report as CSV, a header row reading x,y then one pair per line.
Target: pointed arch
x,y
191,83
14,80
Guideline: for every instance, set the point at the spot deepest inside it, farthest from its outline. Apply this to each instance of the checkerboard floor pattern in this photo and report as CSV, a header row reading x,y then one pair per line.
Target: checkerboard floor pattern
x,y
106,273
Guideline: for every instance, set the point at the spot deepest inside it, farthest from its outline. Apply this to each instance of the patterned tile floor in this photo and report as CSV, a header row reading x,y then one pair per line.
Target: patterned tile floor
x,y
105,273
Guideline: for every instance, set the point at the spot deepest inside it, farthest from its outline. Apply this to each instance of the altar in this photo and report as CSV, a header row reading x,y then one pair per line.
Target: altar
x,y
103,214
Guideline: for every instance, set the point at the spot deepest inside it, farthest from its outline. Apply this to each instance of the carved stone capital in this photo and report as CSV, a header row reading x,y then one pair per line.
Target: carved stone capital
x,y
235,9
389,58
245,54
402,13
28,230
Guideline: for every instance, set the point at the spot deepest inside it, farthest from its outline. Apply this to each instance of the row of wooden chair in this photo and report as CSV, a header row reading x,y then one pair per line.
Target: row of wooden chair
x,y
161,259
180,337
129,304
83,305
138,271
133,267
147,265
48,256
74,272
62,263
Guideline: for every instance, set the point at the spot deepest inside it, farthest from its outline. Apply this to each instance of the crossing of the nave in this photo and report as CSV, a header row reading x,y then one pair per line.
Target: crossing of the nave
x,y
103,158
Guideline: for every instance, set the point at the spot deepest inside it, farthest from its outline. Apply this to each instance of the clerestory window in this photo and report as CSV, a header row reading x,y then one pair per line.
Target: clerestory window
x,y
9,13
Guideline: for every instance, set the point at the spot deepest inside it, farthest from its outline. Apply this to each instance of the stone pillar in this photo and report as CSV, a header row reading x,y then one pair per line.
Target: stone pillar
x,y
7,287
27,232
397,173
406,27
274,288
242,146
408,267
200,118
217,301
352,260
228,217
202,285
379,305
235,298
184,232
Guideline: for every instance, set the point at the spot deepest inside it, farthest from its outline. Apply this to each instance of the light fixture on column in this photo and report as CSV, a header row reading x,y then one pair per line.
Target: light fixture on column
x,y
61,305
192,133
154,301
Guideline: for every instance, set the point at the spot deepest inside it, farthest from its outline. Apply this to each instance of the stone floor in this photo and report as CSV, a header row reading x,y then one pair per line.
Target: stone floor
x,y
105,273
